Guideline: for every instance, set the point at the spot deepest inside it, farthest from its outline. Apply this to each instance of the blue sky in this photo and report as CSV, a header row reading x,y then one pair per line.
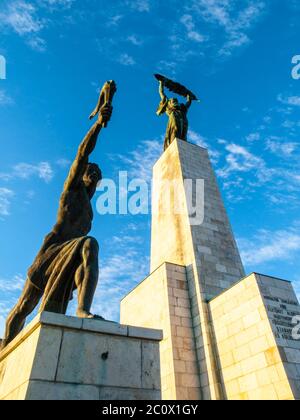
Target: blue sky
x,y
236,55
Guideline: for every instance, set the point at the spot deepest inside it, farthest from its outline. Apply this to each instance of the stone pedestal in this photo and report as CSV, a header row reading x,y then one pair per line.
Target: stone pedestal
x,y
195,264
253,326
163,300
64,358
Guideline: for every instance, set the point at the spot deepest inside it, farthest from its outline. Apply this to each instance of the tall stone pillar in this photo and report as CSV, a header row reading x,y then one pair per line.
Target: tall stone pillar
x,y
203,242
204,245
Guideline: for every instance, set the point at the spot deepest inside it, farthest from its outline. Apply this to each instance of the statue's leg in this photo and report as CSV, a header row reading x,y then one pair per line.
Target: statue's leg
x,y
86,277
16,319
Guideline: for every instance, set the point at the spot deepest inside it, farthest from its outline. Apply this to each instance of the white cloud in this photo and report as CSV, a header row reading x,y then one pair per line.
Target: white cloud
x,y
253,137
114,20
119,274
21,17
239,159
234,20
139,5
5,99
135,40
5,200
65,4
269,246
140,162
37,44
10,288
126,60
289,100
25,171
280,147
192,33
14,284
63,163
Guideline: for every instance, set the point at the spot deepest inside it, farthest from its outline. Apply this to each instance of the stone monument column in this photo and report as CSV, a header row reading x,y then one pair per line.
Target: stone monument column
x,y
203,243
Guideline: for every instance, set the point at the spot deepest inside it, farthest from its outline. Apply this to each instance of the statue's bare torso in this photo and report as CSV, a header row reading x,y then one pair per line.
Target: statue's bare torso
x,y
75,214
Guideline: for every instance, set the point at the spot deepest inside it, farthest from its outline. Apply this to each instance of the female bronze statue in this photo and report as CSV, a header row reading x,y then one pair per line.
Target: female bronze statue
x,y
177,112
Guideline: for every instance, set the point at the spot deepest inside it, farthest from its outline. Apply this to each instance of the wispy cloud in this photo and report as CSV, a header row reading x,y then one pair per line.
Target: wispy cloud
x,y
234,17
139,5
126,60
10,288
192,33
22,17
14,284
140,162
135,40
240,159
37,44
268,246
119,274
5,200
53,4
42,170
281,147
114,21
289,100
5,99
253,137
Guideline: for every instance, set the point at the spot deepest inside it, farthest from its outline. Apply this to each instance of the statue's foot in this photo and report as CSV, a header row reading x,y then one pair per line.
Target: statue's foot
x,y
88,315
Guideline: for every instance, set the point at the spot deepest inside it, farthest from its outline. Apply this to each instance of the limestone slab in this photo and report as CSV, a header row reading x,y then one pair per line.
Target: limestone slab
x,y
61,359
106,365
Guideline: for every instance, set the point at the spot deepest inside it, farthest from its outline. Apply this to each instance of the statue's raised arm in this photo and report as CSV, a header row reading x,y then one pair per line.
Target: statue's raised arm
x,y
104,110
162,91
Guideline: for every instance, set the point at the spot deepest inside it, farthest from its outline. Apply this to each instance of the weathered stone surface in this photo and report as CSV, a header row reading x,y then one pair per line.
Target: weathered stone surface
x,y
61,360
111,371
154,302
49,391
104,327
246,321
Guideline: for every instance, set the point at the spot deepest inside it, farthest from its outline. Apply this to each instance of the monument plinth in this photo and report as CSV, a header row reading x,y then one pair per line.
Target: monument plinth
x,y
64,358
195,263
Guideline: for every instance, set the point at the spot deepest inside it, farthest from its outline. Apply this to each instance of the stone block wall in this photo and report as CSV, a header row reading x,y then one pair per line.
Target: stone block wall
x,y
162,301
64,358
252,358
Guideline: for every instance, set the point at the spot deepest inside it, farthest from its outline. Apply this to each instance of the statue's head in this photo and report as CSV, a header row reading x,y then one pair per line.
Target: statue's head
x,y
92,176
173,102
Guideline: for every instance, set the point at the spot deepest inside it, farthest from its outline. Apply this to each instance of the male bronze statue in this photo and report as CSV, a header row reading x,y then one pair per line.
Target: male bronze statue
x,y
177,112
68,259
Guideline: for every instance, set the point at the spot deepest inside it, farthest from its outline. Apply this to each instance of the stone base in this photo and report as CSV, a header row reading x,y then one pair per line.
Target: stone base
x,y
162,300
251,326
64,358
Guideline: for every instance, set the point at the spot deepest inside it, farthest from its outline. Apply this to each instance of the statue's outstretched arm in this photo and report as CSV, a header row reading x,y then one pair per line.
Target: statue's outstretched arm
x,y
162,91
188,102
86,148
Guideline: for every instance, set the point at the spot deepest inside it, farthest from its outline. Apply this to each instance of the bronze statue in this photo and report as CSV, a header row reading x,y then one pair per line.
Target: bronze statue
x,y
68,259
177,113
